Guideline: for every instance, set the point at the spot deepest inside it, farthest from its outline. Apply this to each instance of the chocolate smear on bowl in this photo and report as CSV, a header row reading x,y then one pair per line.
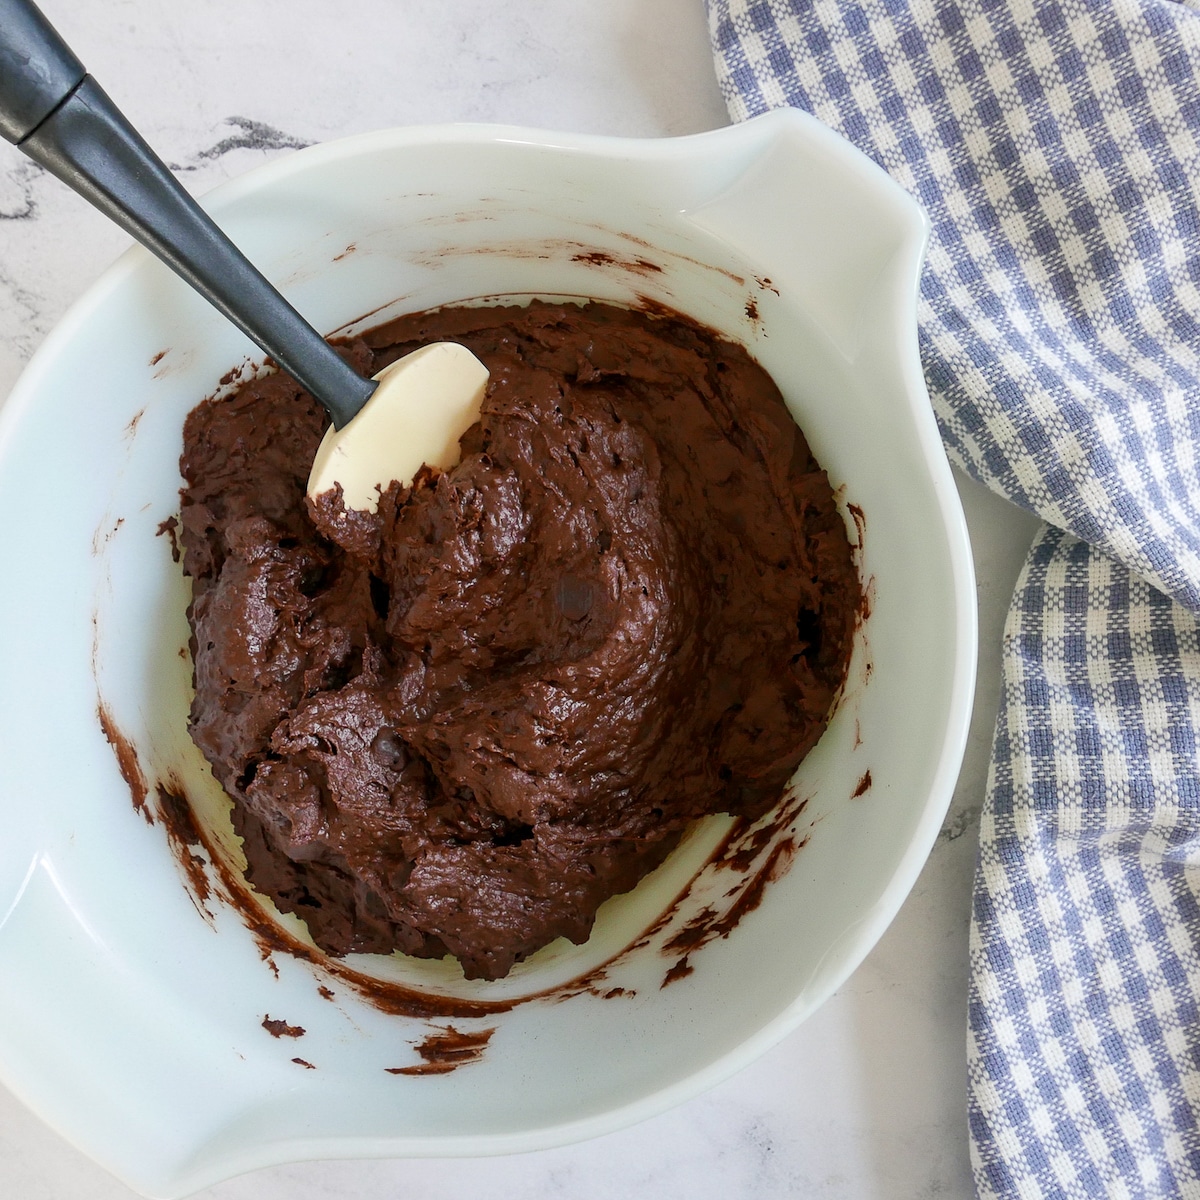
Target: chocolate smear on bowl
x,y
127,763
860,525
175,815
714,922
672,257
446,1050
279,1029
757,853
169,528
680,970
605,258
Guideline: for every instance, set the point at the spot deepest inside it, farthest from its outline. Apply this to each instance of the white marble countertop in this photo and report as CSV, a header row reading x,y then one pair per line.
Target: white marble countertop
x,y
865,1100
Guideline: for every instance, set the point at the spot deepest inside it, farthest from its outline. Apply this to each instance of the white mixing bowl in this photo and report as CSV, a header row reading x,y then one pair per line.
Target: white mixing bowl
x,y
133,995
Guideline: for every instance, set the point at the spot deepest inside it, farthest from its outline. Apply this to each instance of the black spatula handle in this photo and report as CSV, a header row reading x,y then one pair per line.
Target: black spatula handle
x,y
38,71
59,116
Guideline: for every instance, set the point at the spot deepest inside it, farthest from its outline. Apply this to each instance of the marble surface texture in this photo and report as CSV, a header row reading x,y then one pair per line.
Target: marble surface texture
x,y
867,1098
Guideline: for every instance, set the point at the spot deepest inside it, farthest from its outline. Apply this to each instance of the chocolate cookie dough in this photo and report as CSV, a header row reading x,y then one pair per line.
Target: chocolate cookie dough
x,y
459,725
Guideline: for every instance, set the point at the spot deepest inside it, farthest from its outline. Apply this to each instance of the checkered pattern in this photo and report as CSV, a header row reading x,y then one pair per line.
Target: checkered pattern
x,y
1084,1014
1055,145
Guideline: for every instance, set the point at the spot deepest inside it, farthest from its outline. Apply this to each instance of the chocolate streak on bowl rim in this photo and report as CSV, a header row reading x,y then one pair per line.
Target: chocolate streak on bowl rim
x,y
127,762
446,1050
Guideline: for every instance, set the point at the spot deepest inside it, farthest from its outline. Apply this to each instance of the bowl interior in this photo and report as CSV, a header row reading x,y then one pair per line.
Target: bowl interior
x,y
774,234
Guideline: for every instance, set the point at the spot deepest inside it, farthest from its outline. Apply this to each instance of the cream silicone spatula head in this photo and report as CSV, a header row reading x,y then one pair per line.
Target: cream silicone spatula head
x,y
58,115
424,403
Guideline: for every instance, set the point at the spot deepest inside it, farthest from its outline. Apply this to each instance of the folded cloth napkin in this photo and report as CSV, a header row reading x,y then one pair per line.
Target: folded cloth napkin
x,y
1055,145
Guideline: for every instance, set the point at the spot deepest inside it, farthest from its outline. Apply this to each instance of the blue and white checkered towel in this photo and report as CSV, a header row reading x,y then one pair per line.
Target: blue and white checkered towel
x,y
1055,145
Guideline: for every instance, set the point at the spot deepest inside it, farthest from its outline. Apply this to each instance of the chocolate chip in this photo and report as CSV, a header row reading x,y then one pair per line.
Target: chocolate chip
x,y
380,596
313,578
808,632
389,749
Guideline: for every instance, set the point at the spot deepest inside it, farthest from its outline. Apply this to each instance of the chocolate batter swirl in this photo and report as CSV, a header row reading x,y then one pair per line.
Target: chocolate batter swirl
x,y
462,724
